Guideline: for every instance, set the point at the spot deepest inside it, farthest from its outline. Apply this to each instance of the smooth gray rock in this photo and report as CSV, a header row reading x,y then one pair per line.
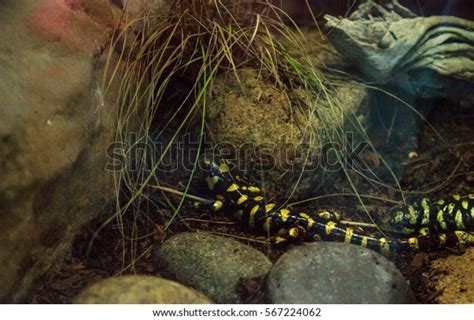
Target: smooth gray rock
x,y
139,289
220,267
332,272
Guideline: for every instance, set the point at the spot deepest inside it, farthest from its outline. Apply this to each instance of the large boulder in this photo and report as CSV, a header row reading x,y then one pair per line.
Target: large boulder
x,y
55,125
276,136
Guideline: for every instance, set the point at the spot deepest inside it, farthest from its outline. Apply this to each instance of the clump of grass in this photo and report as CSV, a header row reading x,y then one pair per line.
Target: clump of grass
x,y
194,43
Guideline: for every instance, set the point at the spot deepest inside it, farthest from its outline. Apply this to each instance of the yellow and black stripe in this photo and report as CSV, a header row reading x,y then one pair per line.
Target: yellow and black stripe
x,y
454,213
253,212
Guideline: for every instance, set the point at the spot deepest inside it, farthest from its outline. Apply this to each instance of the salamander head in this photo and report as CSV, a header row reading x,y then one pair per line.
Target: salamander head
x,y
210,167
214,173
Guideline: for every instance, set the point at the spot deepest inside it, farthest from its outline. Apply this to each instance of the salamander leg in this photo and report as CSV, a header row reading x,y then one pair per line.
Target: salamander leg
x,y
329,215
290,235
214,206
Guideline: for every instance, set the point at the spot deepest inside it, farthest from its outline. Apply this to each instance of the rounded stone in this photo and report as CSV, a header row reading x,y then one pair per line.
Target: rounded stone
x,y
332,272
222,268
248,112
135,289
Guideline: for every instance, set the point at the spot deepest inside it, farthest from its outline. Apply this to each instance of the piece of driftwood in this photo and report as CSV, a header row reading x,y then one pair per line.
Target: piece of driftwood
x,y
428,57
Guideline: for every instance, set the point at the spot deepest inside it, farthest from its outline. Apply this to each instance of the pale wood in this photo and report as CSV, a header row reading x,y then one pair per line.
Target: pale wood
x,y
426,56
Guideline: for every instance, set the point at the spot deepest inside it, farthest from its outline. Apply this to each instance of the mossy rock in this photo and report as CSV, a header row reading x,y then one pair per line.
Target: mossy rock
x,y
273,136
